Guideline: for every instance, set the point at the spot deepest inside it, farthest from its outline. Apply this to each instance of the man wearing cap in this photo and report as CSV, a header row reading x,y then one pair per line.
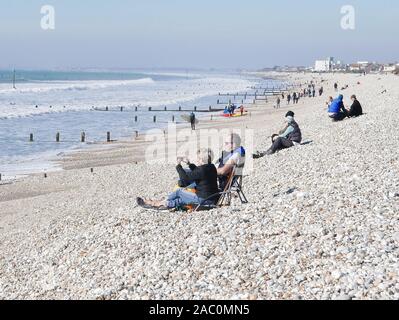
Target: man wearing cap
x,y
286,138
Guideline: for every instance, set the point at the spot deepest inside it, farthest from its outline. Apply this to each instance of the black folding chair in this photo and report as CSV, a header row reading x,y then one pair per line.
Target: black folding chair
x,y
234,184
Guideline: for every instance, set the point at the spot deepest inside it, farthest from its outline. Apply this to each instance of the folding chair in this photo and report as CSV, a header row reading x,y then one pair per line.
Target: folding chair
x,y
234,184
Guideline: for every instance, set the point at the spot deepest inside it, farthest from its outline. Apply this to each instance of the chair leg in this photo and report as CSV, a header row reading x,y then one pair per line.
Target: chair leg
x,y
242,196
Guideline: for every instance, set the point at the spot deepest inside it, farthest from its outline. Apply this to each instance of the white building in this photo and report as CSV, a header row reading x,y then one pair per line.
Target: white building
x,y
324,65
390,67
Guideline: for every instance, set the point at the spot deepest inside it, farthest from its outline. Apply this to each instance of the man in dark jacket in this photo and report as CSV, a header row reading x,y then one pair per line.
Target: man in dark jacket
x,y
356,108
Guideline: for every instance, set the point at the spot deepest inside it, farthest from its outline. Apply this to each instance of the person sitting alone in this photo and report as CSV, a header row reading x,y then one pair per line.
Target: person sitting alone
x,y
356,109
205,177
286,138
233,157
336,109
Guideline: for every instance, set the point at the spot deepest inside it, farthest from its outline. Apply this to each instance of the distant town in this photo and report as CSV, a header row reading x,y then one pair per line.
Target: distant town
x,y
332,65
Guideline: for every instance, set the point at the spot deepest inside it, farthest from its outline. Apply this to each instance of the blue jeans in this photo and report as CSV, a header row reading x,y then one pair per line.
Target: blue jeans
x,y
182,197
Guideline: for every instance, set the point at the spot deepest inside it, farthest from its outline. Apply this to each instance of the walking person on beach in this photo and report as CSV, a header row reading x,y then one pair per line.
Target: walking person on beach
x,y
242,110
294,97
192,121
288,99
278,103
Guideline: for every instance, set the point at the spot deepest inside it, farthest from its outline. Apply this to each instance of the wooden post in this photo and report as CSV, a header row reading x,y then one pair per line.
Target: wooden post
x,y
106,108
155,119
121,109
108,136
91,170
57,137
149,109
135,119
135,109
195,108
210,108
173,118
31,137
166,109
179,108
83,137
45,175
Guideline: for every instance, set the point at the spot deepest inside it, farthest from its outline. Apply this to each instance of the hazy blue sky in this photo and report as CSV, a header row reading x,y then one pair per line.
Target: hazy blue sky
x,y
188,33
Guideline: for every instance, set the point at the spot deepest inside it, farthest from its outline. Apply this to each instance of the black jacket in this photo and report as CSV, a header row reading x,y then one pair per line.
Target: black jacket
x,y
204,176
355,110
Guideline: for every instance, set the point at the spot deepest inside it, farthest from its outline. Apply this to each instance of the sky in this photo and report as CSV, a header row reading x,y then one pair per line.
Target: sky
x,y
194,34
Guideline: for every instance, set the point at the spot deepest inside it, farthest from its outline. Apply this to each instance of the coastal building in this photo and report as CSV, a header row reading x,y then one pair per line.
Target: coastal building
x,y
390,67
324,65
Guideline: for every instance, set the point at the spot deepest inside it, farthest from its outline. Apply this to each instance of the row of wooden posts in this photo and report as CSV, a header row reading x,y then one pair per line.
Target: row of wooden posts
x,y
82,137
83,134
45,174
164,109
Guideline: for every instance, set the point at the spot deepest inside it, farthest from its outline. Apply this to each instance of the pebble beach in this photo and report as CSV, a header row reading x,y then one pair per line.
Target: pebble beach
x,y
322,222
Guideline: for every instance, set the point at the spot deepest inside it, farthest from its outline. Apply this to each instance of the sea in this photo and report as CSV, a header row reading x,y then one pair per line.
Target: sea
x,y
44,103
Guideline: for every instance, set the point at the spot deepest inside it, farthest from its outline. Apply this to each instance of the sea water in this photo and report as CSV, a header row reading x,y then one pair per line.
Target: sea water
x,y
47,102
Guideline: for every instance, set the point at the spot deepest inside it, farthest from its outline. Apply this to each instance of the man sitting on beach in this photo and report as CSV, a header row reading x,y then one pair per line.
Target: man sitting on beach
x,y
286,138
356,108
336,109
205,177
233,156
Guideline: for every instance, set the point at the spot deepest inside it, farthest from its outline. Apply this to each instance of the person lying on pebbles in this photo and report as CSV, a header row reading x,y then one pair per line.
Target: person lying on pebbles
x,y
205,178
286,138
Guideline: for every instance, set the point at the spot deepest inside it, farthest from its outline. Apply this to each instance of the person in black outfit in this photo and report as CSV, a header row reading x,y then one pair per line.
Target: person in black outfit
x,y
356,108
205,177
192,120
